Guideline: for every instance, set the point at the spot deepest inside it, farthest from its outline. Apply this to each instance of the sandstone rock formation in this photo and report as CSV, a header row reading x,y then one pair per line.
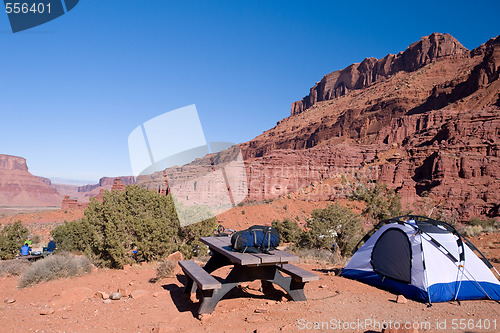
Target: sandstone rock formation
x,y
19,188
426,121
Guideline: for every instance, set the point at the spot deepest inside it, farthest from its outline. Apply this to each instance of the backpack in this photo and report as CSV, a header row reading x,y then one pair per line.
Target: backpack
x,y
256,239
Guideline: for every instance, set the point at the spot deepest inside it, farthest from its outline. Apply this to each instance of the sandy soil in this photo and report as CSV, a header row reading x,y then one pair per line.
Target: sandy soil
x,y
70,305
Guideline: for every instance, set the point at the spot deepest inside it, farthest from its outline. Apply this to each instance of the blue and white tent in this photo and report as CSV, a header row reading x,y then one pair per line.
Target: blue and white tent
x,y
422,259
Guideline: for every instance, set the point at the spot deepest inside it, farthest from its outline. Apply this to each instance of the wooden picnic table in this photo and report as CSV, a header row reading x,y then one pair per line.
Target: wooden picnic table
x,y
246,267
31,257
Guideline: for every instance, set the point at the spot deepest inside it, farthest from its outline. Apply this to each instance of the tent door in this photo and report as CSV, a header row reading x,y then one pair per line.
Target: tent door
x,y
391,255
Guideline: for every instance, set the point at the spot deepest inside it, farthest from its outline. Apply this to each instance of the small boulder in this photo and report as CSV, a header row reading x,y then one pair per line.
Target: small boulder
x,y
10,300
138,293
46,311
176,256
102,294
115,296
261,310
124,292
401,299
126,267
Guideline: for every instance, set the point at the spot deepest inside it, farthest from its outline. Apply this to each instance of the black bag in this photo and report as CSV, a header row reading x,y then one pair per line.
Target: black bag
x,y
256,239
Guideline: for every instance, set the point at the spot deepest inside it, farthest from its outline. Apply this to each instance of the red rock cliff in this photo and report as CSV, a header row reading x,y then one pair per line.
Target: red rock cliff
x,y
20,188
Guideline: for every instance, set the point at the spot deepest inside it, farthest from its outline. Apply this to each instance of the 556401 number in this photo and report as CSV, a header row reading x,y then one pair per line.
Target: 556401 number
x,y
25,8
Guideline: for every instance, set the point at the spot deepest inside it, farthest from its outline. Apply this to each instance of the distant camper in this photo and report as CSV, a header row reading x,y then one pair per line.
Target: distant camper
x,y
51,246
25,250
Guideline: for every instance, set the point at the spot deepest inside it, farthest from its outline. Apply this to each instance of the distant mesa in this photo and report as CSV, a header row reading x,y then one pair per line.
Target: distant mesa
x,y
118,185
19,188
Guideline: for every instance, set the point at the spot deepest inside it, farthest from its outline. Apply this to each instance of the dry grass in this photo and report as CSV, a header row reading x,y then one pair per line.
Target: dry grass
x,y
55,267
13,267
166,269
320,255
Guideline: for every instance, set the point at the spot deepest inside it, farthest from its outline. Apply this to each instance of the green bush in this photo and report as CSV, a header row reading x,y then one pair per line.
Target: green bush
x,y
134,219
55,267
381,202
12,237
336,228
488,223
289,230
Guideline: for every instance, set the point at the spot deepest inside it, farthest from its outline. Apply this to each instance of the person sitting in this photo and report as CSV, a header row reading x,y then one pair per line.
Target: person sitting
x,y
28,241
51,246
25,250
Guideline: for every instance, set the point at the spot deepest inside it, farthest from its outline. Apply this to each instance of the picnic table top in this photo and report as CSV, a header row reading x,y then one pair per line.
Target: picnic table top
x,y
222,245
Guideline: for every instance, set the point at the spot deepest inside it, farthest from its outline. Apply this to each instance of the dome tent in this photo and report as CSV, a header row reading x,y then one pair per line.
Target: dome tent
x,y
422,259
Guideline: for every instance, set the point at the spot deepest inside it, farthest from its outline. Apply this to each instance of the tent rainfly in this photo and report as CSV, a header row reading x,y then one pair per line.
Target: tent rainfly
x,y
424,260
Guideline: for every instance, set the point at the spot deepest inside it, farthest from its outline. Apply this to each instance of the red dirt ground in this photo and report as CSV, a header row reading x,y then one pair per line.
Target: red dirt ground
x,y
165,309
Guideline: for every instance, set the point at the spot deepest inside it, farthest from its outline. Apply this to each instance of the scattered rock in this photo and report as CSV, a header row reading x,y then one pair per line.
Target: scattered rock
x,y
255,285
124,292
115,296
156,294
401,299
102,294
261,310
10,300
65,316
176,256
138,293
204,317
322,286
126,267
107,301
46,311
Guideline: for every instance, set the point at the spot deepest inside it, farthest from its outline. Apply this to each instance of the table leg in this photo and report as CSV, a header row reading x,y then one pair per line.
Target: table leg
x,y
216,261
239,274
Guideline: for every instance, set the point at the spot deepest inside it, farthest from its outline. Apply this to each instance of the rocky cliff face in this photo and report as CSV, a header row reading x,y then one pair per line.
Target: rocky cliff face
x,y
20,188
426,121
357,76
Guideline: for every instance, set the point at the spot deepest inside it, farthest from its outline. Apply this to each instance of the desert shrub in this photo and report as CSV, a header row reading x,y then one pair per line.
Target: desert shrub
x,y
488,223
336,228
289,230
318,255
13,267
166,269
36,239
134,219
473,230
381,202
55,267
12,237
72,236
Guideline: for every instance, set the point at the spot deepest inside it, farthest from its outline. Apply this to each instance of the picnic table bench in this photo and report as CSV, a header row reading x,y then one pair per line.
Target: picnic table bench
x,y
31,257
246,267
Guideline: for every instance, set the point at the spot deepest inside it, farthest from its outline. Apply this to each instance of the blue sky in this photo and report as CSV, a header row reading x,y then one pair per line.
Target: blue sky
x,y
73,89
